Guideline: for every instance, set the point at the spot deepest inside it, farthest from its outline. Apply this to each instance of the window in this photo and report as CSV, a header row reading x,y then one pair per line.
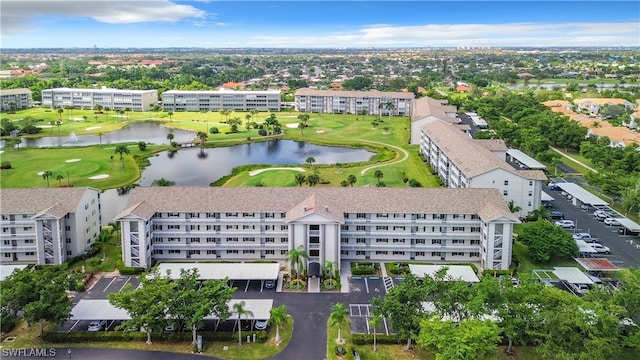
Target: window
x,y
210,239
383,252
211,252
270,240
382,240
361,241
173,214
232,239
314,252
398,253
399,228
436,254
269,252
232,251
344,227
68,253
344,252
382,227
344,240
67,240
457,254
475,229
529,203
248,251
231,214
248,215
505,192
530,183
361,228
269,215
248,239
174,251
361,216
395,241
458,228
420,241
475,217
436,242
530,193
158,252
439,216
506,182
248,227
382,215
399,216
173,227
360,253
475,242
420,253
457,241
474,254
283,227
231,227
67,228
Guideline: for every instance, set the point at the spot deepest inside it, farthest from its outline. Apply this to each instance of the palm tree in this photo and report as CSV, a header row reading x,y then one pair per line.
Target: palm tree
x,y
329,267
170,137
338,315
295,257
300,179
60,111
389,107
278,317
58,123
59,178
380,107
127,110
310,160
540,213
313,180
351,179
202,136
238,309
375,320
303,122
513,207
100,137
253,113
122,149
379,175
170,113
45,175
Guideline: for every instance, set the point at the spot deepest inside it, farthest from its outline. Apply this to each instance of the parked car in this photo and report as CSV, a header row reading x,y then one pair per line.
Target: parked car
x,y
97,325
554,186
612,222
170,328
270,284
601,248
579,288
555,215
565,224
601,215
261,324
624,231
586,237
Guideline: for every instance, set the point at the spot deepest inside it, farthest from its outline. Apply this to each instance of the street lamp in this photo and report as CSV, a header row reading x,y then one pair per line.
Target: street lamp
x,y
69,352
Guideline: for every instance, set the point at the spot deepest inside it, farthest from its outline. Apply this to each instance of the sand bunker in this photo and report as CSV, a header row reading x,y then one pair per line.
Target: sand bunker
x,y
292,126
72,160
98,177
93,128
256,172
320,131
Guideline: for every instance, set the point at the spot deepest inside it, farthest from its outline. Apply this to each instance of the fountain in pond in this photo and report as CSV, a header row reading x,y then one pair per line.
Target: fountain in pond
x,y
73,138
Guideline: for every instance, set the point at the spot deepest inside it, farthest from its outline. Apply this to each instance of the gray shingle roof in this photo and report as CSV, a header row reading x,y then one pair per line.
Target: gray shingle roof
x,y
348,93
53,201
18,91
330,202
427,106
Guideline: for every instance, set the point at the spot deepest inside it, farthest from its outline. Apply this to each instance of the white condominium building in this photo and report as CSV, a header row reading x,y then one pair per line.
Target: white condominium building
x,y
462,162
15,98
331,224
222,99
426,109
354,102
112,99
47,226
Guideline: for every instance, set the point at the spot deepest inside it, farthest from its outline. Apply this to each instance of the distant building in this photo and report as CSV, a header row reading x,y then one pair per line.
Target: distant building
x,y
16,98
113,99
162,224
47,226
354,102
593,105
222,99
462,162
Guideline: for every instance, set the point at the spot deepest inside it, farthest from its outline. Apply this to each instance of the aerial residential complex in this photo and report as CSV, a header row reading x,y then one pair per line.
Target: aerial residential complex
x,y
15,98
331,224
354,102
426,109
222,99
47,226
463,162
112,99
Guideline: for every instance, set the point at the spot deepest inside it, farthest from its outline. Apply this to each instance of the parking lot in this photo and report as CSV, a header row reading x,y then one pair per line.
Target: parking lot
x,y
367,284
359,317
624,248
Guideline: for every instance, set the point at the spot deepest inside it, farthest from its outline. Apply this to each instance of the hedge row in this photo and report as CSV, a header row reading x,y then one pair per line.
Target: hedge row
x,y
362,339
107,336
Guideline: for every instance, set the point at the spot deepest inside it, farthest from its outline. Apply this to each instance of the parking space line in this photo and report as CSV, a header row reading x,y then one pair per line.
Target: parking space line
x,y
107,287
125,283
246,288
366,284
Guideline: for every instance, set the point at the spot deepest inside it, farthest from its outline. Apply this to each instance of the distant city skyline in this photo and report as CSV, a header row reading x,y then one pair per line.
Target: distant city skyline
x,y
317,24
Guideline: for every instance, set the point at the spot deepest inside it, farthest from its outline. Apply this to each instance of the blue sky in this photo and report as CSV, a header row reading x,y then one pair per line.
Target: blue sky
x,y
317,24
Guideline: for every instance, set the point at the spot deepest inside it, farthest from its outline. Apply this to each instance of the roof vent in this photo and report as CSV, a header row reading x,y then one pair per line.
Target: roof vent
x,y
305,209
326,209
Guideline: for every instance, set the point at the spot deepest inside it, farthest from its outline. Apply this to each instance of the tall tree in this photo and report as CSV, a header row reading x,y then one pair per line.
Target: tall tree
x,y
338,315
122,149
546,241
471,339
295,257
378,175
313,179
59,178
278,318
46,174
310,160
300,179
240,311
147,304
373,323
170,137
513,207
351,179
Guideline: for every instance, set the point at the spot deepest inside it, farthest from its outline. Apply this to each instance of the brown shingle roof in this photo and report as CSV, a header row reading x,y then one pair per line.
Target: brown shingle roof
x,y
492,144
330,202
53,201
427,106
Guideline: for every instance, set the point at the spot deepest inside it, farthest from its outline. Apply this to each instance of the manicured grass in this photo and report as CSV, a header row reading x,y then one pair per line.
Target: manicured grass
x,y
105,260
75,165
252,351
527,265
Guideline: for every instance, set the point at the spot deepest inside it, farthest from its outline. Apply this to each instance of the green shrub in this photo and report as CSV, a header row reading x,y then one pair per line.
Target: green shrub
x,y
5,165
363,339
125,270
297,284
80,287
363,271
7,321
262,132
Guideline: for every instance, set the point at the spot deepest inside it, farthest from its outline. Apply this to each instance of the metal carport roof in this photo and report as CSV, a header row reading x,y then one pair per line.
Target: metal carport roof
x,y
546,197
525,159
581,194
454,272
584,247
231,271
572,275
597,264
629,224
101,309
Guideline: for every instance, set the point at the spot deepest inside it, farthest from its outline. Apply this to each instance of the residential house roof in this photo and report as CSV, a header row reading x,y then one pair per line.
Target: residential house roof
x,y
329,202
19,91
53,201
426,106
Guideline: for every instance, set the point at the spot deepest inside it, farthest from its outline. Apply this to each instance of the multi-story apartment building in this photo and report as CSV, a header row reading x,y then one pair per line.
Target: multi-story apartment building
x,y
426,109
47,226
222,99
15,98
331,224
113,99
354,102
462,162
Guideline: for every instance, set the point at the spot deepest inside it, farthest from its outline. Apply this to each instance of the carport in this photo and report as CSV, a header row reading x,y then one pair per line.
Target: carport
x,y
572,275
580,194
524,159
629,225
101,309
546,197
231,271
454,272
597,264
585,249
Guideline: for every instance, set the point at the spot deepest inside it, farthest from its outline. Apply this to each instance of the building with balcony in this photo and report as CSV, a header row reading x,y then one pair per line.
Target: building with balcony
x,y
222,99
47,226
162,224
15,99
463,162
354,102
112,99
426,109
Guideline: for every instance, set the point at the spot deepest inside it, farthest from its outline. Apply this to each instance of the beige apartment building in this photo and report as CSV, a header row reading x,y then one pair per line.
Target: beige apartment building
x,y
354,102
112,99
15,98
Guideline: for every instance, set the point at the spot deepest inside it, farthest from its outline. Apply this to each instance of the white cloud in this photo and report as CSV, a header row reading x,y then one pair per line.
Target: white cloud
x,y
17,14
515,34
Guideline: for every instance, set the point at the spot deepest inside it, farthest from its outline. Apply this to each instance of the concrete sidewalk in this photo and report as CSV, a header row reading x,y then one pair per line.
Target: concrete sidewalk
x,y
345,276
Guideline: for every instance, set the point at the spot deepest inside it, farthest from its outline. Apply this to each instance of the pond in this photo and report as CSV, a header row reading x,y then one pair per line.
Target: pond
x,y
200,167
143,131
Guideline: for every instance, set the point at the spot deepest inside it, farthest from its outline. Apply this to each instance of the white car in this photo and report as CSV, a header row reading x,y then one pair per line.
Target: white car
x,y
580,288
566,224
612,222
261,324
96,325
269,284
601,248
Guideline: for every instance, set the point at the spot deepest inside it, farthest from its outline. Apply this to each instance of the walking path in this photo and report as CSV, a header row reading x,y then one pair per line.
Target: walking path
x,y
401,150
345,275
256,172
574,160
